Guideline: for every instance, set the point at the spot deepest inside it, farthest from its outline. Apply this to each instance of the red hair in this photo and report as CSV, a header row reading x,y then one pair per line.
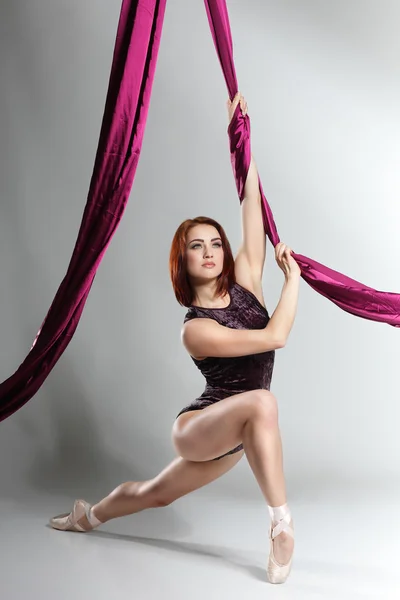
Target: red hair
x,y
178,266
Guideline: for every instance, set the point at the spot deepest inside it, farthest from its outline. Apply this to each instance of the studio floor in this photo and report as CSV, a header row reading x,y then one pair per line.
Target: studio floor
x,y
202,546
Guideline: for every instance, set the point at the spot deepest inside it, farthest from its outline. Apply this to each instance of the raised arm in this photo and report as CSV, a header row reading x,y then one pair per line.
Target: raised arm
x,y
250,259
253,247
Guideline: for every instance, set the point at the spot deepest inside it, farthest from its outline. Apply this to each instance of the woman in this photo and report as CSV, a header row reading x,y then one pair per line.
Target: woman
x,y
232,340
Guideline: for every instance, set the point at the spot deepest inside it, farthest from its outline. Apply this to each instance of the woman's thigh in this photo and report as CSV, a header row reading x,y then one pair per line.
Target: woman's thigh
x,y
202,435
183,476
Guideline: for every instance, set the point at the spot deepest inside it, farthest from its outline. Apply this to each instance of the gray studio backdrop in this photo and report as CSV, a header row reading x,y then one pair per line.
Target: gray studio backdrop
x,y
322,83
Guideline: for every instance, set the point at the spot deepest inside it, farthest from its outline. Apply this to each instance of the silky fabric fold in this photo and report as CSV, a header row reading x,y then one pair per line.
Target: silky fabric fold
x,y
348,294
128,97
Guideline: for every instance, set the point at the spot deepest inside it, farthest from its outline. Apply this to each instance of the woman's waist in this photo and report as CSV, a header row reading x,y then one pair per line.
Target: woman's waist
x,y
229,390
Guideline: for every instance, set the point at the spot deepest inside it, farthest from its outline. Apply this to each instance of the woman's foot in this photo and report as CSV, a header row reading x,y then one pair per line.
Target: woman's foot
x,y
283,545
281,536
80,519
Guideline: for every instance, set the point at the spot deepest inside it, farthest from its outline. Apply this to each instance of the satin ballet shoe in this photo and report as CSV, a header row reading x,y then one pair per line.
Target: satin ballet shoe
x,y
277,573
69,521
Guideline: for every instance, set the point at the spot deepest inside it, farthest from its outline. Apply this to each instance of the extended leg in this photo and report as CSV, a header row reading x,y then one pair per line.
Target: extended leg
x,y
179,478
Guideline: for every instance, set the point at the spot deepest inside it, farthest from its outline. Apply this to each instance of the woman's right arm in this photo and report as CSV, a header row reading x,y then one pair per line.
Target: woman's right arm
x,y
283,317
205,337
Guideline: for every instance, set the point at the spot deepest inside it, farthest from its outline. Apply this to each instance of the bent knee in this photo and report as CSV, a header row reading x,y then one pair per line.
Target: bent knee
x,y
264,405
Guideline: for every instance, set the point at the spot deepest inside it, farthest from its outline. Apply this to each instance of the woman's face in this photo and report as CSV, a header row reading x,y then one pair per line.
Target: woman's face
x,y
204,245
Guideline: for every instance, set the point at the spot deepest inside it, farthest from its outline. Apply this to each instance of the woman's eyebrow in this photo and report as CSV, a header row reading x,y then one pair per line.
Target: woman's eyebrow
x,y
200,240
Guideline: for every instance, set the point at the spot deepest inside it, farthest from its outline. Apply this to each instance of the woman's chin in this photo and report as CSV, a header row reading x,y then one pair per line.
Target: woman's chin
x,y
203,277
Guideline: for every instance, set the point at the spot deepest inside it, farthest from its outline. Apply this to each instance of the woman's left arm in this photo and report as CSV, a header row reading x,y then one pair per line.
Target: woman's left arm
x,y
250,259
252,252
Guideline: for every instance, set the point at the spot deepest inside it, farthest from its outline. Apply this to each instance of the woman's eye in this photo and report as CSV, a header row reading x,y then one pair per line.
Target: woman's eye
x,y
216,244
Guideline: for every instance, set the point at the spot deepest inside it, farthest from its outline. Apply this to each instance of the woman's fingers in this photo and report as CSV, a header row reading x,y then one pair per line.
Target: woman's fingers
x,y
238,99
243,105
282,252
283,256
232,105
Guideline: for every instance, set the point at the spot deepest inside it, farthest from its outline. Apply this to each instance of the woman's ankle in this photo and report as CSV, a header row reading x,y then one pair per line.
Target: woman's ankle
x,y
93,518
277,513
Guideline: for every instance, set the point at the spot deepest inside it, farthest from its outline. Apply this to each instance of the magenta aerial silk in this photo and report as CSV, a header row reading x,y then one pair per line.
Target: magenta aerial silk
x,y
350,295
132,73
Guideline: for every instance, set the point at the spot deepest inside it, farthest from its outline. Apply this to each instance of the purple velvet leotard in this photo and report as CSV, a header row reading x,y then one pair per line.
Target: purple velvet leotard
x,y
234,375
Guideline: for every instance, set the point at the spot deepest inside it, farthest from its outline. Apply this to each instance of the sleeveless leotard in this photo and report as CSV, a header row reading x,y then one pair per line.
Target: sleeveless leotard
x,y
234,375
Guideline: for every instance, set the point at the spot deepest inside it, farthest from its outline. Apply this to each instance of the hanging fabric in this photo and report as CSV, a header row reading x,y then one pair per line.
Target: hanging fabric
x,y
132,73
128,97
350,295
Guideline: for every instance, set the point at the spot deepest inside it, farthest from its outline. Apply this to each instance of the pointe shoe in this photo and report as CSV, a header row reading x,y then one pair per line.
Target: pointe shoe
x,y
277,573
69,521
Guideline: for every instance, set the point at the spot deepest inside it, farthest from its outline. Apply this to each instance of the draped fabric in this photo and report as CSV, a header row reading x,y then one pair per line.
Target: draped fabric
x,y
350,295
128,97
132,73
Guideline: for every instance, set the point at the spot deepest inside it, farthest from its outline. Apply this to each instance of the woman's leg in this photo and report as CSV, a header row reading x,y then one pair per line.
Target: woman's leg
x,y
179,478
250,418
